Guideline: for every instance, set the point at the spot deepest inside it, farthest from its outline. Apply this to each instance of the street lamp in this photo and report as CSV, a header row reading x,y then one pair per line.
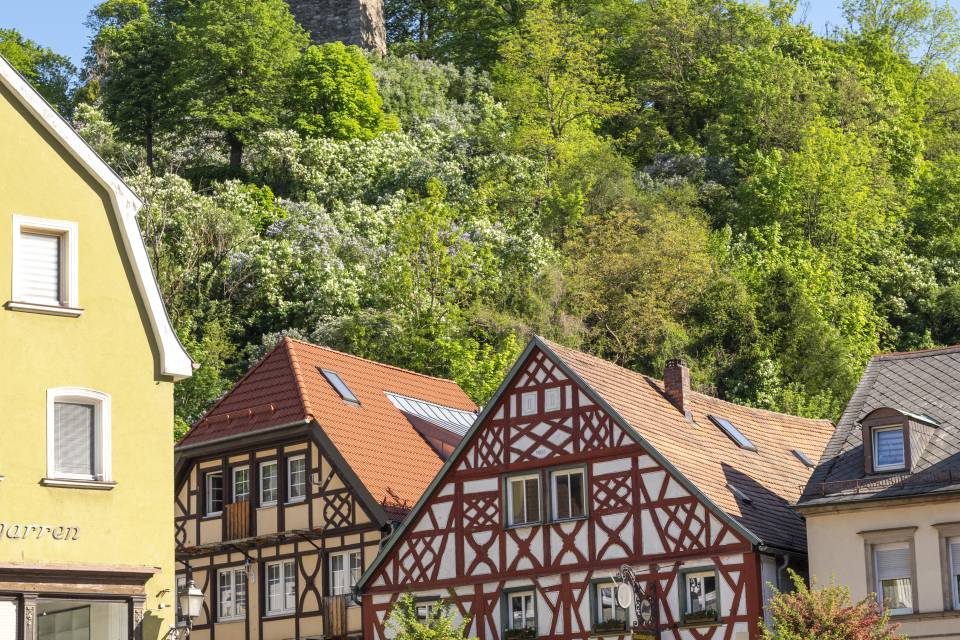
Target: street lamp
x,y
191,603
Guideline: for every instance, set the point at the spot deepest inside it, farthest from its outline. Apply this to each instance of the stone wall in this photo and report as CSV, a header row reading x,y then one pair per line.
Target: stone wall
x,y
359,22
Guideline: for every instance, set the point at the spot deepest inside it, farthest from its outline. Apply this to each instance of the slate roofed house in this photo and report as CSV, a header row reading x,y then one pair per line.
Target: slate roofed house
x,y
883,506
286,486
578,466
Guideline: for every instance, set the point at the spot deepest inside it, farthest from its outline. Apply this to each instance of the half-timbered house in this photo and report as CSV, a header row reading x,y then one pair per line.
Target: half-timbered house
x,y
286,486
579,472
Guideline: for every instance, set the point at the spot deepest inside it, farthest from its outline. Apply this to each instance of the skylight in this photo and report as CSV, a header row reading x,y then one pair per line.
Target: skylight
x,y
802,457
733,433
341,387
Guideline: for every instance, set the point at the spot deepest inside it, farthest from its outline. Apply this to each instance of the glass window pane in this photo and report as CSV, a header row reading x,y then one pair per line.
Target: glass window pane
x,y
241,484
532,492
516,502
576,495
888,447
296,478
897,594
562,487
268,482
75,619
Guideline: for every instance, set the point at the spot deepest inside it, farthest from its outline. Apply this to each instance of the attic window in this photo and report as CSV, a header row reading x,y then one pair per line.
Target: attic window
x,y
740,495
802,457
340,386
733,433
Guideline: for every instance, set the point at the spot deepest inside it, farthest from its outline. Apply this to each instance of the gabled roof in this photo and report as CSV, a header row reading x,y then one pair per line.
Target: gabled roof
x,y
925,387
704,458
382,447
174,360
772,477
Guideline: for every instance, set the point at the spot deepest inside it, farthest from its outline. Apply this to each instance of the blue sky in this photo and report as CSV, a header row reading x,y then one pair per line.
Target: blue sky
x,y
59,23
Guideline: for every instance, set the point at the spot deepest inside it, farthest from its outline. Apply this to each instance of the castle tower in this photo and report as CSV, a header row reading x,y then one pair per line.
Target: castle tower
x,y
359,22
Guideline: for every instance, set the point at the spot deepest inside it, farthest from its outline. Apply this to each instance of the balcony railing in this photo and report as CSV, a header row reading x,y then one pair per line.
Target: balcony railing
x,y
238,520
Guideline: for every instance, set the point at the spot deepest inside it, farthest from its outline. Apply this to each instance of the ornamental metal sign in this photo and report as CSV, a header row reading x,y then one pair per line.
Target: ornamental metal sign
x,y
643,598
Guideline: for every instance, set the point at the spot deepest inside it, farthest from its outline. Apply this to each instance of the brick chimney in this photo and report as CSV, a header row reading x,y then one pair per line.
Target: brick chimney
x,y
676,384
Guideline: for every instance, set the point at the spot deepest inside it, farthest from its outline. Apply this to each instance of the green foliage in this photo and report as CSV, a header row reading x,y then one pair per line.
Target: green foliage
x,y
234,60
825,614
333,94
52,74
440,624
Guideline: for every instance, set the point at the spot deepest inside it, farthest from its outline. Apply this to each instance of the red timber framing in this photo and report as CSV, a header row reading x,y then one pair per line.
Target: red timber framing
x,y
458,546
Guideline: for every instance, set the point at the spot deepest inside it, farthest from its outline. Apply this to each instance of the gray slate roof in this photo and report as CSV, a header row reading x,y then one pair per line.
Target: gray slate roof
x,y
454,420
922,384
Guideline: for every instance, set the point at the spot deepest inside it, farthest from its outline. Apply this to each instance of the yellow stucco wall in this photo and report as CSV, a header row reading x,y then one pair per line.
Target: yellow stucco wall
x,y
837,551
110,349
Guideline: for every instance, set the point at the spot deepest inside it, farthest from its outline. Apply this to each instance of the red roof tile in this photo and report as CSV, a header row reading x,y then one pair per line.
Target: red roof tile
x,y
772,477
376,440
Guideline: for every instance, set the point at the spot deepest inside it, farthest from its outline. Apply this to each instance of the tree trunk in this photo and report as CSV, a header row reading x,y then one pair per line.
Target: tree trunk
x,y
236,153
149,145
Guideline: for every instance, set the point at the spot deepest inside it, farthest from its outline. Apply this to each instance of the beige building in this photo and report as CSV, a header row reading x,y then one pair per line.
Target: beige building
x,y
883,506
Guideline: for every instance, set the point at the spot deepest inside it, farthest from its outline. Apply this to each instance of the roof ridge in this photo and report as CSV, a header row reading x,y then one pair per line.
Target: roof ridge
x,y
298,378
698,393
374,362
917,353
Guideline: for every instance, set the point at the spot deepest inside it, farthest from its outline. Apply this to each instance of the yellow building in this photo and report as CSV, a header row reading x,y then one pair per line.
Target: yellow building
x,y
89,361
883,505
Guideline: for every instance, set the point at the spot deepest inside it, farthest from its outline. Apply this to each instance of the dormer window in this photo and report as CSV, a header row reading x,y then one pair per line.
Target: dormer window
x,y
889,452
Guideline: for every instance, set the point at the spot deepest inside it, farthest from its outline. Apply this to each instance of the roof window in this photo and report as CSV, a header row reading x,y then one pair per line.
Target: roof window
x,y
802,457
733,433
340,386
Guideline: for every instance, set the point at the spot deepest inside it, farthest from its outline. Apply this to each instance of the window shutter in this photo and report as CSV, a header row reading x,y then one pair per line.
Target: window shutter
x,y
893,563
38,268
74,436
955,555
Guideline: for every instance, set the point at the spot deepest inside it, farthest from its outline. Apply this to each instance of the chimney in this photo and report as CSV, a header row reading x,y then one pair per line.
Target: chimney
x,y
676,384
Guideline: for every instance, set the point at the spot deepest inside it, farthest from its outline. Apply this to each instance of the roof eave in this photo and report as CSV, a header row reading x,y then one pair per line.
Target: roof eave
x,y
174,362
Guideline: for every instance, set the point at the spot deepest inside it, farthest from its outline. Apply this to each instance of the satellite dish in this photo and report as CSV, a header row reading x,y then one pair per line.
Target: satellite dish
x,y
624,595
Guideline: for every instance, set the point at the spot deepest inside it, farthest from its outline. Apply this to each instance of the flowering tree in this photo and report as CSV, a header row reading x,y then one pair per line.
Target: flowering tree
x,y
826,614
438,624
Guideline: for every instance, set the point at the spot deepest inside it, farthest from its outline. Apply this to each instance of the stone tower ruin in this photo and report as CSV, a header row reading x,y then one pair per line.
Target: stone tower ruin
x,y
359,22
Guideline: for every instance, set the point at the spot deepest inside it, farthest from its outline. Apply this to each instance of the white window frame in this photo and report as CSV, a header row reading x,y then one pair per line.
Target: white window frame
x,y
873,443
523,478
181,583
102,440
276,489
208,510
290,462
282,564
554,494
353,574
69,265
237,576
551,399
425,609
598,598
533,604
528,403
233,481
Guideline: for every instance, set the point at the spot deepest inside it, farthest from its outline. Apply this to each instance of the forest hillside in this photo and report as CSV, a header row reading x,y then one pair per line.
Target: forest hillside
x,y
639,179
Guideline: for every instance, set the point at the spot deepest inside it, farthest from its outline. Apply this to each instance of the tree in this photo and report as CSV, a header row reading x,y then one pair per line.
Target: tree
x,y
235,57
131,58
440,623
52,74
554,76
826,614
333,94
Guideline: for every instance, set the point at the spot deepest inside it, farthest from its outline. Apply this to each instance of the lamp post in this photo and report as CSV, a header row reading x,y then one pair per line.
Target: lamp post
x,y
191,604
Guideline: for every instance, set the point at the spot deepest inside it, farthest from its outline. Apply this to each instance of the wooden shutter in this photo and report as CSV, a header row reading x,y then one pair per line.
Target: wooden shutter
x,y
38,267
8,620
893,563
75,439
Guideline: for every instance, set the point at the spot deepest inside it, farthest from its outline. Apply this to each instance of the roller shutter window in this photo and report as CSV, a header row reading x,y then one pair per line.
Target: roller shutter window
x,y
955,570
39,268
894,577
75,440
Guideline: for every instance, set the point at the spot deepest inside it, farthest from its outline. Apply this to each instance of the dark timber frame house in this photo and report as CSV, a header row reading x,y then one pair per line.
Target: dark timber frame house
x,y
577,467
287,485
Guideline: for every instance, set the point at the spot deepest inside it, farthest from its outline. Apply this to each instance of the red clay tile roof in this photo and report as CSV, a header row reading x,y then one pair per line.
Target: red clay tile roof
x,y
377,441
772,477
